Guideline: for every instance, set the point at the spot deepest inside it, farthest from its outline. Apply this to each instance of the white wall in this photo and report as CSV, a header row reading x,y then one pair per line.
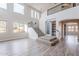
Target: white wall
x,y
32,34
72,13
28,15
11,17
42,22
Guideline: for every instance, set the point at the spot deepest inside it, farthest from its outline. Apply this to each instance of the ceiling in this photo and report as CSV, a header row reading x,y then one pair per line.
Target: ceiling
x,y
42,6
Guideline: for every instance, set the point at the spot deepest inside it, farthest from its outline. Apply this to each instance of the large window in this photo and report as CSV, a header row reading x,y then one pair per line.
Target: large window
x,y
72,27
2,26
19,27
35,14
32,13
38,15
3,5
26,28
18,8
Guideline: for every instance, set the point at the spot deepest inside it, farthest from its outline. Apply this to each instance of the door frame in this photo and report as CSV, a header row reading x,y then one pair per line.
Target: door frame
x,y
67,21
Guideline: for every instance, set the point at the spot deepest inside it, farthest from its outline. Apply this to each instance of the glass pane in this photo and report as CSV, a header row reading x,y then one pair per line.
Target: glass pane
x,y
3,5
18,27
76,28
38,15
18,8
35,15
2,31
26,27
69,27
2,26
32,15
72,27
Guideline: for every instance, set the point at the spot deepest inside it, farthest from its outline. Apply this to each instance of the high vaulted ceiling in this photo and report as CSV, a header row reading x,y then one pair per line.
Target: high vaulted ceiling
x,y
42,6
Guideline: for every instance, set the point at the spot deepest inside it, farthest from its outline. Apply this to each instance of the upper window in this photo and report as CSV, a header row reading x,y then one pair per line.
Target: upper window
x,y
18,8
26,28
38,15
35,14
3,5
2,26
32,13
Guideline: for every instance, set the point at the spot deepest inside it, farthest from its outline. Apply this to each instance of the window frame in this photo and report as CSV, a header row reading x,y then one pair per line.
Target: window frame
x,y
35,14
72,28
4,6
17,7
5,27
19,27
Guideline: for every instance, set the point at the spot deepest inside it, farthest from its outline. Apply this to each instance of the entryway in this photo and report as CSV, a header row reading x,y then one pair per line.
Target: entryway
x,y
70,34
70,27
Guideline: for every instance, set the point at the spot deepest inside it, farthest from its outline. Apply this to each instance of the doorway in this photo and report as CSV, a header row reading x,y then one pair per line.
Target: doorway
x,y
70,31
70,27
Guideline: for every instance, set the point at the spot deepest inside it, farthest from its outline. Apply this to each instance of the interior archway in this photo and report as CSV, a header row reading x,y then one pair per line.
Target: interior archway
x,y
69,27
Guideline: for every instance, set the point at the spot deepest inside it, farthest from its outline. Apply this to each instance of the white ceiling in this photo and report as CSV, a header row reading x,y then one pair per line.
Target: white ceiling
x,y
42,6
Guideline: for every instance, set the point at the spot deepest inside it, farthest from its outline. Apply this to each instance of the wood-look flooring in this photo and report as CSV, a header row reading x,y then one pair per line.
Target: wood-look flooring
x,y
29,47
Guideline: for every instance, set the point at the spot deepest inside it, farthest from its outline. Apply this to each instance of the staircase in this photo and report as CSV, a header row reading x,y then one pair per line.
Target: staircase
x,y
39,32
36,28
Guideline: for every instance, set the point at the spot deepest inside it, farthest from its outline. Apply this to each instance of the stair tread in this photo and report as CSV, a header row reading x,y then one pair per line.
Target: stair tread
x,y
39,32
